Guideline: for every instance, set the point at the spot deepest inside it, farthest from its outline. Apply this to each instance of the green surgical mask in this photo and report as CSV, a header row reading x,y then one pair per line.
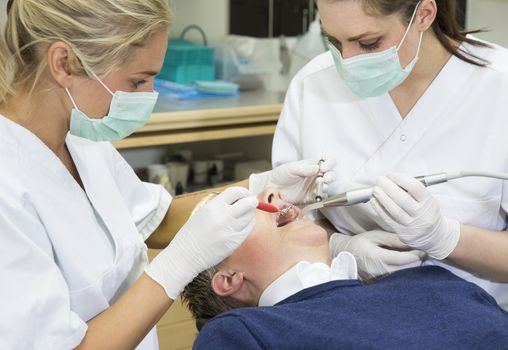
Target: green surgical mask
x,y
128,112
377,73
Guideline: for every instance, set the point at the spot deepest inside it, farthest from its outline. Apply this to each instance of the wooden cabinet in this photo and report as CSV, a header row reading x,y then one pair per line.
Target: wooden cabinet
x,y
176,330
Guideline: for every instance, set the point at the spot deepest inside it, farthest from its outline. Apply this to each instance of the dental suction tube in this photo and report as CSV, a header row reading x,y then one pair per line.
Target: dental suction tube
x,y
460,174
363,195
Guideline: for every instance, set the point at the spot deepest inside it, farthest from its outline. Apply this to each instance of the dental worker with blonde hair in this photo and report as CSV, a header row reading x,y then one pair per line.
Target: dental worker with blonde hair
x,y
404,90
74,218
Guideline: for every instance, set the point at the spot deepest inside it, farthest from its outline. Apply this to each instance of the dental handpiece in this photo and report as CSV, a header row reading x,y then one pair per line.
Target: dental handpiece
x,y
363,195
319,183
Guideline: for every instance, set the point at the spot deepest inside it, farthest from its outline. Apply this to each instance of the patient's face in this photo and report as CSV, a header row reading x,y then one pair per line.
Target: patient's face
x,y
276,244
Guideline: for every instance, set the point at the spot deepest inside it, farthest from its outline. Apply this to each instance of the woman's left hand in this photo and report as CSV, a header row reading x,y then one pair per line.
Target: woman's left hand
x,y
377,253
406,205
297,181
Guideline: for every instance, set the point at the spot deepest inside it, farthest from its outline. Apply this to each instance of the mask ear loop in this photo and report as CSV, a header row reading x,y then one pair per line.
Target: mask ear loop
x,y
419,45
100,81
72,100
409,27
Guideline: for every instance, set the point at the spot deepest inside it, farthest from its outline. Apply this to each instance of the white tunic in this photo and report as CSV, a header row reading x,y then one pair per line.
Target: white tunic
x,y
460,123
65,254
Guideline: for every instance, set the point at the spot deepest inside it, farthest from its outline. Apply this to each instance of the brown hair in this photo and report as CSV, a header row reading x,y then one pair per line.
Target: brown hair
x,y
202,301
446,26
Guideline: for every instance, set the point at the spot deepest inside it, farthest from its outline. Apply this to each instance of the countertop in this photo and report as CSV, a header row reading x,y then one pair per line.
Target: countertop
x,y
253,113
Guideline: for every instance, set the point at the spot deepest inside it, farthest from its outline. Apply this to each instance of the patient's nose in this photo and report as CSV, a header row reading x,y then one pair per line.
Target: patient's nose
x,y
273,196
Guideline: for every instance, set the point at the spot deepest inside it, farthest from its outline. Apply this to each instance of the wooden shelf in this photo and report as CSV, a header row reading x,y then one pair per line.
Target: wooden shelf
x,y
211,117
166,128
194,135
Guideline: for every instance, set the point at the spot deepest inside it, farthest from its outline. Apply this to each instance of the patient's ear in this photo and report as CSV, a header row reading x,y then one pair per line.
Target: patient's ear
x,y
226,283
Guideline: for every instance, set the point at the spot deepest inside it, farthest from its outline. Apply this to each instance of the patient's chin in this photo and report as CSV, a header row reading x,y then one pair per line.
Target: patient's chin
x,y
307,232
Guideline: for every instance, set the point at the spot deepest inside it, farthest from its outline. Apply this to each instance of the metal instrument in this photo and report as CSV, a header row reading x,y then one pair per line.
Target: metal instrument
x,y
363,195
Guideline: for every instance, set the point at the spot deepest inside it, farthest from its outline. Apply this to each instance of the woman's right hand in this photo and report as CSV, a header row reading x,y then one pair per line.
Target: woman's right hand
x,y
298,181
209,236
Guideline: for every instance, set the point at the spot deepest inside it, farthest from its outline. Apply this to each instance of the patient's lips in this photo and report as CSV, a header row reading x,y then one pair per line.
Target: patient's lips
x,y
292,215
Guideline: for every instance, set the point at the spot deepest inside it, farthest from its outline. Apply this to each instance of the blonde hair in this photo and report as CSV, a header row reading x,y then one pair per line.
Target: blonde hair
x,y
100,33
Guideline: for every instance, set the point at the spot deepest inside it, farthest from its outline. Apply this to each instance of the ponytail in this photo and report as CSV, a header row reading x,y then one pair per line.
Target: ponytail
x,y
449,32
446,26
5,78
6,65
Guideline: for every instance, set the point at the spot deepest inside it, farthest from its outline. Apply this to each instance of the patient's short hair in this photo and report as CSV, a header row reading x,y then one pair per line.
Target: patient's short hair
x,y
202,301
199,296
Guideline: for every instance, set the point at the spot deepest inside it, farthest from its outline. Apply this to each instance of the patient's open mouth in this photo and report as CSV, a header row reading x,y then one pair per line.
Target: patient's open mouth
x,y
288,215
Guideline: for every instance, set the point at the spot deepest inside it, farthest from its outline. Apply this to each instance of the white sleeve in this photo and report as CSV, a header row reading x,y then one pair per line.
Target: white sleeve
x,y
286,141
35,303
148,203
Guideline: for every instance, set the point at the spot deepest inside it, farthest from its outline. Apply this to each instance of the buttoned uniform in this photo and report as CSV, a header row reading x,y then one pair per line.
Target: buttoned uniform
x,y
459,123
67,254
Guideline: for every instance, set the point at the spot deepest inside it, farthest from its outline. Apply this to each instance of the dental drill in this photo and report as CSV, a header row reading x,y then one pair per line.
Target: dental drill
x,y
363,195
319,183
318,191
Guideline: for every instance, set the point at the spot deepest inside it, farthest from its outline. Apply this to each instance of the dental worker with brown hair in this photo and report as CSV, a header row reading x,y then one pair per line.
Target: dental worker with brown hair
x,y
405,91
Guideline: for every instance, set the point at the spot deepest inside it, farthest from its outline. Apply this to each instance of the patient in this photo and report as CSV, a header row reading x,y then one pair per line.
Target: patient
x,y
281,290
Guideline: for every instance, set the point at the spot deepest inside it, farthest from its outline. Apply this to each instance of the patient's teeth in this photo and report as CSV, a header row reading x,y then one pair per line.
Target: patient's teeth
x,y
285,211
287,215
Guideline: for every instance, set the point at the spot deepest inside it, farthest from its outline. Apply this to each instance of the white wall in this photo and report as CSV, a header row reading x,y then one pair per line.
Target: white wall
x,y
489,14
211,15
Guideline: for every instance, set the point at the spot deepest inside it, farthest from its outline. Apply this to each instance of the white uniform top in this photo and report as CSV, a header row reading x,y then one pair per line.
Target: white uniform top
x,y
65,254
460,123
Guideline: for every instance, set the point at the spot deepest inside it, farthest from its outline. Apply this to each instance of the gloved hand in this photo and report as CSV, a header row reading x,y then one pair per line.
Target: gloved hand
x,y
297,181
409,209
372,252
209,236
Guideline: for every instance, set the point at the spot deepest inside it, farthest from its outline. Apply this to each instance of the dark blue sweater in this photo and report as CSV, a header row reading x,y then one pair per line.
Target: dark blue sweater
x,y
421,308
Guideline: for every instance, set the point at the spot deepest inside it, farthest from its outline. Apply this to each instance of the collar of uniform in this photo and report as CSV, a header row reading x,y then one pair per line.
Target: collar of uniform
x,y
305,275
23,141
